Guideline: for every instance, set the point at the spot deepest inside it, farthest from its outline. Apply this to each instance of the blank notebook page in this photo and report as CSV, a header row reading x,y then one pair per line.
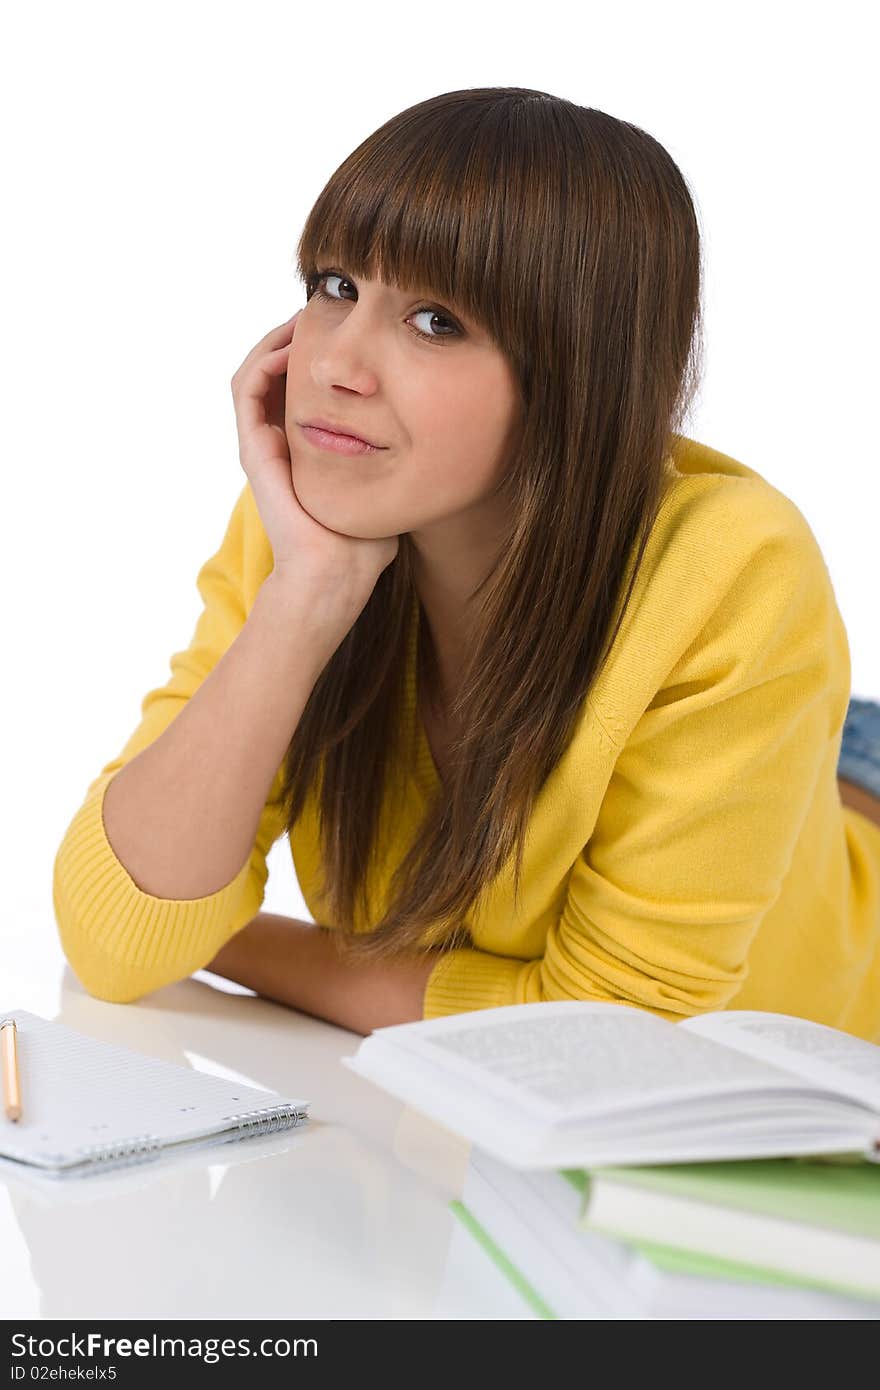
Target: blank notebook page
x,y
88,1103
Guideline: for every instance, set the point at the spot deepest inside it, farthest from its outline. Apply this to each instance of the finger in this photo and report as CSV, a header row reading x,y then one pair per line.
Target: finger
x,y
251,394
249,388
272,487
270,365
276,360
279,336
282,327
254,383
282,334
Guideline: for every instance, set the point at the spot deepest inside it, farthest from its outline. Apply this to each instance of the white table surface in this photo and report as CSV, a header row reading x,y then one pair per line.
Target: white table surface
x,y
346,1217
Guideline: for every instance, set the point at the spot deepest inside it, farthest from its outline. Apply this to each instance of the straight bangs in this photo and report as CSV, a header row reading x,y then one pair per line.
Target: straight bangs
x,y
429,204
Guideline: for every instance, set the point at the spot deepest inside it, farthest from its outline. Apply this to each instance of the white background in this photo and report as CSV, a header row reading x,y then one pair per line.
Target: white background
x,y
159,164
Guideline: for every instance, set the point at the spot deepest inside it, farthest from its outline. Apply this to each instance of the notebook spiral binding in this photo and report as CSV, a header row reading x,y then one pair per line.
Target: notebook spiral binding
x,y
267,1120
140,1147
135,1147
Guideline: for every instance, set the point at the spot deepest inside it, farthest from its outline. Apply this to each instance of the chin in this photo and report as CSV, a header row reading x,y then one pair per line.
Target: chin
x,y
331,507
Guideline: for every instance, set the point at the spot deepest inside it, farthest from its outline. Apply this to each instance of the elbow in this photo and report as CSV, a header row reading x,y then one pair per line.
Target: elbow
x,y
673,1000
123,944
109,989
99,974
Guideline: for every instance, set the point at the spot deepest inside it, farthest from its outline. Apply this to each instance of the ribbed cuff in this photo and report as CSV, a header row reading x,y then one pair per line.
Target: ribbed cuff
x,y
121,941
466,979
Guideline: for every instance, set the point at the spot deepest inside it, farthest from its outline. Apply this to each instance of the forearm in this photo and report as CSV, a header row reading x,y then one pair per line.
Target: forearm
x,y
296,963
183,814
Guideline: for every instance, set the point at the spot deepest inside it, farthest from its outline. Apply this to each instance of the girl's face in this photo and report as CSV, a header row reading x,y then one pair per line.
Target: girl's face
x,y
404,372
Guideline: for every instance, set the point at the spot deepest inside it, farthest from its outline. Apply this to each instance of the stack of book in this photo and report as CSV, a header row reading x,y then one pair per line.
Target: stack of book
x,y
625,1166
774,1238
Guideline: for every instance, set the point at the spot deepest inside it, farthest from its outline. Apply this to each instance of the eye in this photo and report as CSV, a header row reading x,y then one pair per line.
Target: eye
x,y
317,288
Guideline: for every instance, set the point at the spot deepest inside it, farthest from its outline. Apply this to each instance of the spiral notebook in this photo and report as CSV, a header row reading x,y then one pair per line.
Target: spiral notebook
x,y
89,1105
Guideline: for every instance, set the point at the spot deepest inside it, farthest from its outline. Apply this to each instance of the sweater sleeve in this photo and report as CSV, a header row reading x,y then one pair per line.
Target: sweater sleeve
x,y
698,824
121,942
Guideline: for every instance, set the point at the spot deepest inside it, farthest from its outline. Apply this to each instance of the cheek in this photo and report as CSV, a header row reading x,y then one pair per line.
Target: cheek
x,y
292,378
462,447
484,428
455,471
472,416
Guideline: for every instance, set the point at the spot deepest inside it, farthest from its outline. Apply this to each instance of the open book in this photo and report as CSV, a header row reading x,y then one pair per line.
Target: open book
x,y
575,1084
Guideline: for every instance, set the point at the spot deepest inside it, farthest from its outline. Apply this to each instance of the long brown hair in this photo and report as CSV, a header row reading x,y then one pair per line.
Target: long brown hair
x,y
571,237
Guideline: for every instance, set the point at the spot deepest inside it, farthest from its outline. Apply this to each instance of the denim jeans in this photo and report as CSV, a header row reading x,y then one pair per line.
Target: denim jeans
x,y
860,746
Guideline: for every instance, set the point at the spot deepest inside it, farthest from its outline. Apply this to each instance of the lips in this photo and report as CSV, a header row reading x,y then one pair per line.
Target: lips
x,y
323,424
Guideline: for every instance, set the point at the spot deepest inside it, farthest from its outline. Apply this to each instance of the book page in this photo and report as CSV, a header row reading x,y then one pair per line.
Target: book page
x,y
571,1059
826,1056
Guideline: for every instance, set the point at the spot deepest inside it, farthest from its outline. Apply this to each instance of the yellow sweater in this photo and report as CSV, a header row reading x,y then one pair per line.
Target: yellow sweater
x,y
690,851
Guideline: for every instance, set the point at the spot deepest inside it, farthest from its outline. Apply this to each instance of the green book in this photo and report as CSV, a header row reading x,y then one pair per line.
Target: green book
x,y
664,1258
502,1262
680,1261
528,1225
787,1220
